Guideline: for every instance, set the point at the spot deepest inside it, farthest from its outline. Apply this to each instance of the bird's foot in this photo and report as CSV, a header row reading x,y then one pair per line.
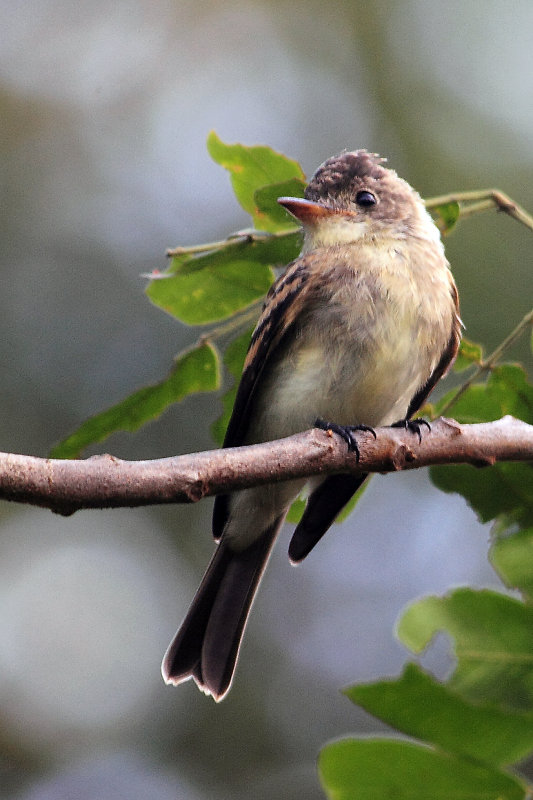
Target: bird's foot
x,y
413,425
346,432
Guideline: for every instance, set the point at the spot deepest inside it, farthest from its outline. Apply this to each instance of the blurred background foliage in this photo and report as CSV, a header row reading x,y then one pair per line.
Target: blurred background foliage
x,y
105,110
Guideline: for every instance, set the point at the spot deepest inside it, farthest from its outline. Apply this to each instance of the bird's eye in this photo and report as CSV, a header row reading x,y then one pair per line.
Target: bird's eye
x,y
365,199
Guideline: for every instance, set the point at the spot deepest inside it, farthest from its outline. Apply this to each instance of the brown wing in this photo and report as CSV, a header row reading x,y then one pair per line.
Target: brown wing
x,y
446,360
283,305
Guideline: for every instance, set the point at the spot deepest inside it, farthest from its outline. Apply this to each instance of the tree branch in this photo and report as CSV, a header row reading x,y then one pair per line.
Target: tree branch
x,y
104,481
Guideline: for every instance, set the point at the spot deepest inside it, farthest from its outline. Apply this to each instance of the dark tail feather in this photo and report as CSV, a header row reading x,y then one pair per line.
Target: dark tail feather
x,y
207,644
324,504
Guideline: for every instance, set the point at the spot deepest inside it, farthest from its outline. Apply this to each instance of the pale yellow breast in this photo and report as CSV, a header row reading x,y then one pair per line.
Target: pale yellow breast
x,y
373,334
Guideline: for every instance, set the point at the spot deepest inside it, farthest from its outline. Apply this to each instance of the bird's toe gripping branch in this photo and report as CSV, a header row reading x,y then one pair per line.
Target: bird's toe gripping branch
x,y
413,425
346,432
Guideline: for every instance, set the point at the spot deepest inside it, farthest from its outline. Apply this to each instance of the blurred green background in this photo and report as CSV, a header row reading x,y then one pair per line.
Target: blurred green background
x,y
105,108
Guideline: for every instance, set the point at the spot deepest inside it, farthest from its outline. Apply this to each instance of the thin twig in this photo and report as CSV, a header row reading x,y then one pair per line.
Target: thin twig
x,y
485,199
490,362
240,238
235,323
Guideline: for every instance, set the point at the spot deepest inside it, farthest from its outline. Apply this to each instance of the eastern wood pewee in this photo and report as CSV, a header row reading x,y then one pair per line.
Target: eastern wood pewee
x,y
358,330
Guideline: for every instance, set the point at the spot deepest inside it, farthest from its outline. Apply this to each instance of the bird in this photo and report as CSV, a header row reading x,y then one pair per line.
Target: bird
x,y
354,334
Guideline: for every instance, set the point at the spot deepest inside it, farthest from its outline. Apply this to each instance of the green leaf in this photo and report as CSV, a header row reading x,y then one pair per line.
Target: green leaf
x,y
268,214
507,391
195,370
198,289
251,168
419,706
296,510
469,353
505,488
493,643
233,361
512,557
384,769
509,386
474,405
446,216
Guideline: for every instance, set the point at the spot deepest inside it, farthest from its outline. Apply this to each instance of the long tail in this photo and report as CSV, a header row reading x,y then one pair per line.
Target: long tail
x,y
206,646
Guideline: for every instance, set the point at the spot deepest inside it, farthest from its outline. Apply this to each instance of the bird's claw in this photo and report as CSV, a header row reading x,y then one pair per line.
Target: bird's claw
x,y
346,432
412,425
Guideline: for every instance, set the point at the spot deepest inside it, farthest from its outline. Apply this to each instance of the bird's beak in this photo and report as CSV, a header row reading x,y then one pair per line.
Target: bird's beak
x,y
306,211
